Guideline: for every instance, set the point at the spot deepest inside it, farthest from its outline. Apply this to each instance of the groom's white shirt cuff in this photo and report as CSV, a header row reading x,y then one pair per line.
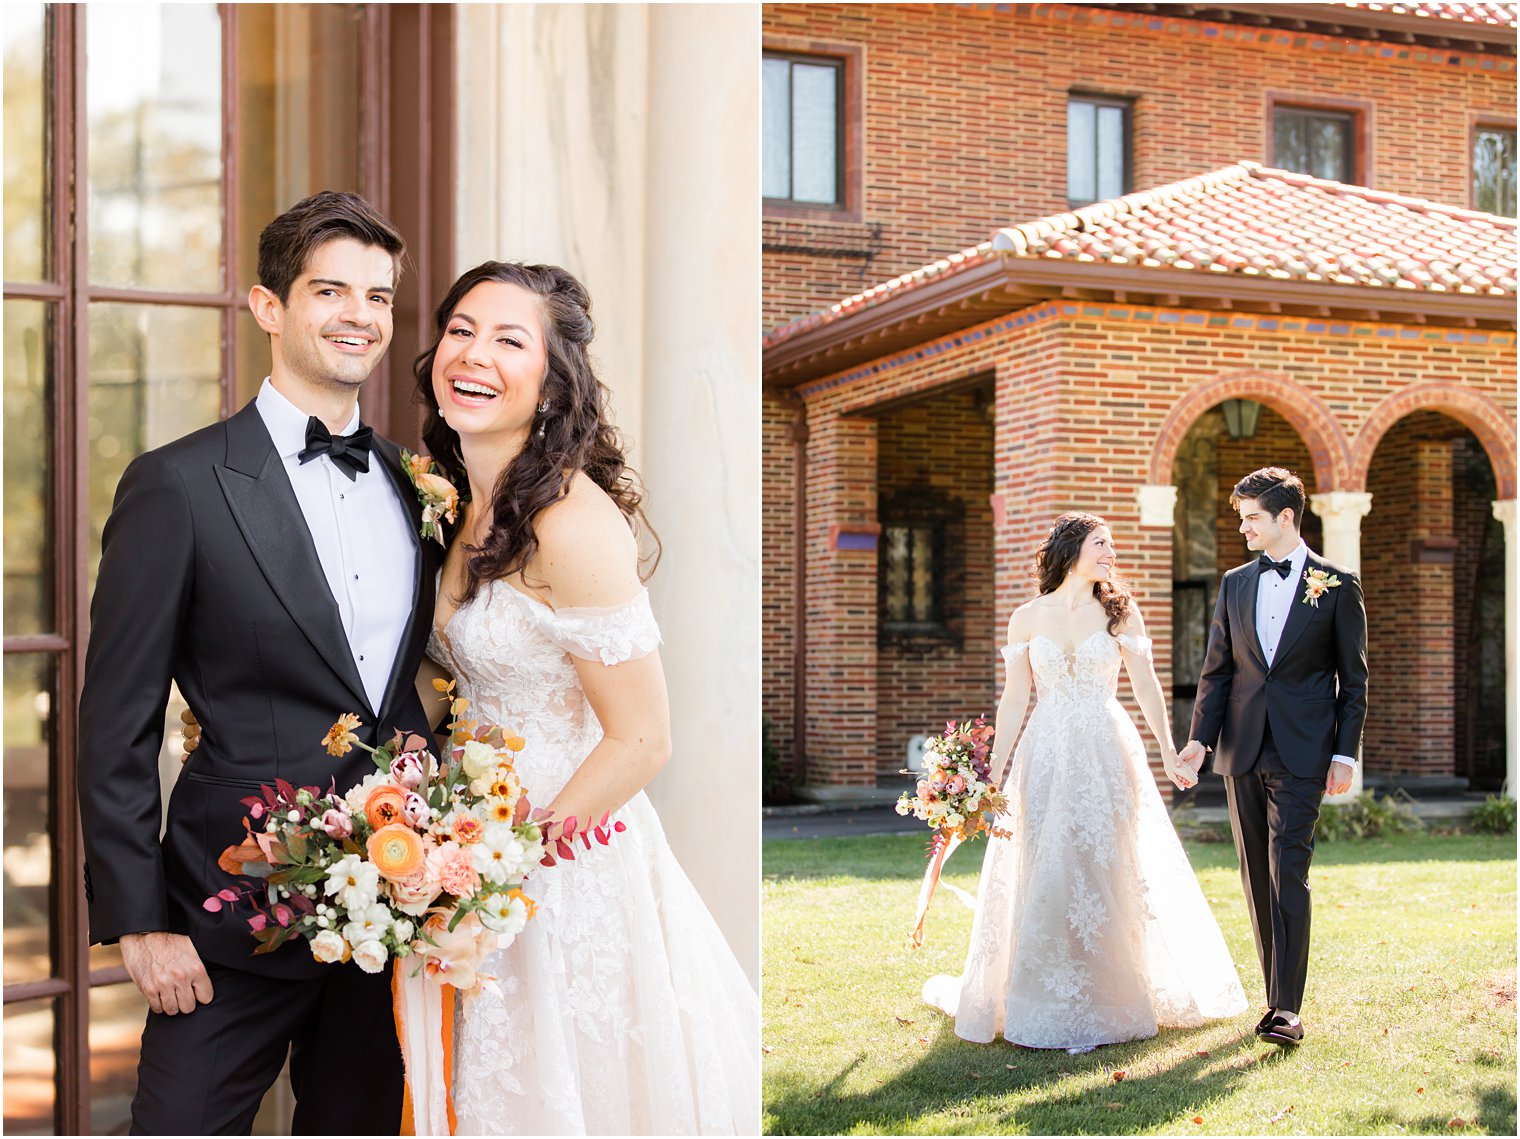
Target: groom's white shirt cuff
x,y
1346,759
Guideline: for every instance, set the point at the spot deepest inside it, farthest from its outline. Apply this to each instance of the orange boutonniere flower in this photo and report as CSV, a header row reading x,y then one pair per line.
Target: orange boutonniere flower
x,y
439,497
340,737
1317,583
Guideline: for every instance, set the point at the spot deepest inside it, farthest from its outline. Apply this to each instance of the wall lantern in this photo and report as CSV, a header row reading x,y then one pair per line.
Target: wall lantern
x,y
1241,416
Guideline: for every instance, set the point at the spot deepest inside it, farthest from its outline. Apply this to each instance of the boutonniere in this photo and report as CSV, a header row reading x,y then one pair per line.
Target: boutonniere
x,y
440,500
1317,583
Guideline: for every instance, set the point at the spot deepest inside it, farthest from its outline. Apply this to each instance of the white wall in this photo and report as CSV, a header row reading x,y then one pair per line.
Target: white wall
x,y
619,141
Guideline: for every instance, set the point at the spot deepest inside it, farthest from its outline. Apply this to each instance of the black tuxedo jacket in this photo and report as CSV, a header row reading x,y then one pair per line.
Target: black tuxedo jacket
x,y
209,577
1314,695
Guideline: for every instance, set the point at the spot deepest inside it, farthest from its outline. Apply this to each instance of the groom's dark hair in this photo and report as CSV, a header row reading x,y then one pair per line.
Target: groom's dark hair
x,y
1276,488
288,242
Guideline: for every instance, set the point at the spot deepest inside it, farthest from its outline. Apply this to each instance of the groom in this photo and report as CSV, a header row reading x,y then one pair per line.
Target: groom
x,y
1281,701
271,566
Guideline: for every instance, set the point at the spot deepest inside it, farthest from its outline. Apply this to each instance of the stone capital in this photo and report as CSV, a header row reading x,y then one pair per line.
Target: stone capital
x,y
1504,511
1344,508
1158,505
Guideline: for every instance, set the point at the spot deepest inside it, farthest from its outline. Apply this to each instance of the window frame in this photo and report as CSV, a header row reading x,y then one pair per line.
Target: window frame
x,y
921,507
1096,99
849,128
1357,112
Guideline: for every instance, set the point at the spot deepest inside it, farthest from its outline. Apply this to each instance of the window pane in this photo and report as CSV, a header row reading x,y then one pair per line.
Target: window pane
x,y
1081,152
1290,150
26,206
814,133
1494,171
923,573
896,546
155,145
155,374
29,1068
28,467
1330,137
117,1015
776,156
30,692
1110,152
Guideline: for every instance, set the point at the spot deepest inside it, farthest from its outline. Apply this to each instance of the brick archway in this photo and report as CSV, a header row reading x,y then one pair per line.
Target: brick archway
x,y
1479,414
1304,412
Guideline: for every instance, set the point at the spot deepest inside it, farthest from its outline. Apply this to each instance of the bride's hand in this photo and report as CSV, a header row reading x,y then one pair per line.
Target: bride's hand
x,y
1179,773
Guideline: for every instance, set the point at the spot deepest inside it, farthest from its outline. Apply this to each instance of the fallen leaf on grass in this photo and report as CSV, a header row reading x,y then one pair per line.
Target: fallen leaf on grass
x,y
1345,1063
923,1040
1202,1055
1010,1067
902,1020
1456,1123
767,1049
1113,1106
1419,1091
973,1075
1197,1119
1119,1074
1281,1114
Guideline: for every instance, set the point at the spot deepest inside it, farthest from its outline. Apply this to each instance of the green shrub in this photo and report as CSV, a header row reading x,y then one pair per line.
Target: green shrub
x,y
1495,815
1366,816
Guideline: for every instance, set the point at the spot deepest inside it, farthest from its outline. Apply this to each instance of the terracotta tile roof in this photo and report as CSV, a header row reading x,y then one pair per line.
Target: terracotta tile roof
x,y
1500,15
1249,221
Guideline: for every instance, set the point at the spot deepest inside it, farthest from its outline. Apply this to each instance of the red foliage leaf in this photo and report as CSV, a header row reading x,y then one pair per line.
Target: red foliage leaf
x,y
251,801
283,914
286,790
619,826
227,895
602,836
258,922
212,905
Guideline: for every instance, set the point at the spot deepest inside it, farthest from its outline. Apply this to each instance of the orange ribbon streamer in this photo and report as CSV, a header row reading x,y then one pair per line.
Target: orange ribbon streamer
x,y
446,996
931,880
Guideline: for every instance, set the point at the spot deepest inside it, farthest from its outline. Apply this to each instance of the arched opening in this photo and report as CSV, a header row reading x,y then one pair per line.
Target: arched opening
x,y
1433,572
1221,446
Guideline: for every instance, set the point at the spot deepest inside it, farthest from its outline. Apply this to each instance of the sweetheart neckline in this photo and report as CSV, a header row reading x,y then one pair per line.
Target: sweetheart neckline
x,y
442,630
1075,649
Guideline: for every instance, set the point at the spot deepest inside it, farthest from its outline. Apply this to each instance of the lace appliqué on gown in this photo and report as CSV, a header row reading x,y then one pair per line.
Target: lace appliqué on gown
x,y
620,1009
1090,926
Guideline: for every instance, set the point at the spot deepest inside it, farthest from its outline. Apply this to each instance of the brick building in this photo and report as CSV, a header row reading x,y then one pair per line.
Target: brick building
x,y
1025,258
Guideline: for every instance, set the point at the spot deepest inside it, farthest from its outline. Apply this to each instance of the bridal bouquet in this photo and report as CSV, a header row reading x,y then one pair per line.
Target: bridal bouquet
x,y
424,858
955,796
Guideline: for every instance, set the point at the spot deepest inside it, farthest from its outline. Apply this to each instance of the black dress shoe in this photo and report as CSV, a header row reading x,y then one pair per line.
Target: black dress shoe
x,y
1266,1019
1279,1031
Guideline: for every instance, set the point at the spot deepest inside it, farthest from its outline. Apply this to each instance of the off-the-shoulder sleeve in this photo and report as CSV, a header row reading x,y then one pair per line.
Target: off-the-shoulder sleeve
x,y
612,634
1012,652
1141,646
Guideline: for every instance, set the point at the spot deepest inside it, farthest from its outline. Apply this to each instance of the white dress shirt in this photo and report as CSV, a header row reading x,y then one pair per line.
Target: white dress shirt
x,y
362,534
1275,596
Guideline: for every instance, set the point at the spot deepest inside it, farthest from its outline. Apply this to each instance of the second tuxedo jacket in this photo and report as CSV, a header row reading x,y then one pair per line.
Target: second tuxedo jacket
x,y
208,577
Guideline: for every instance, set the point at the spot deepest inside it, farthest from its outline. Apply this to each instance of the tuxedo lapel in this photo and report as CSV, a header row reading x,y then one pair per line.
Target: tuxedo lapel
x,y
401,677
1299,613
1245,611
264,505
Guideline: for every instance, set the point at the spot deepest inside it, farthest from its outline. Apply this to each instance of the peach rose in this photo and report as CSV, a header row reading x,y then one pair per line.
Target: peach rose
x,y
415,893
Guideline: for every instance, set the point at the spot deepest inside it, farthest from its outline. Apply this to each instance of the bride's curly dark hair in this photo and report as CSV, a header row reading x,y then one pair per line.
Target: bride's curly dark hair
x,y
1058,554
576,435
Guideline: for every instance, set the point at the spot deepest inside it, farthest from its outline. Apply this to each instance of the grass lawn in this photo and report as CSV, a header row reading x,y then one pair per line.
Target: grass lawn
x,y
1410,1010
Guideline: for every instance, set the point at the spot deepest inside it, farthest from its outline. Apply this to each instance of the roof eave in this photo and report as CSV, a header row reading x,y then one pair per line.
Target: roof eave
x,y
1003,285
1351,20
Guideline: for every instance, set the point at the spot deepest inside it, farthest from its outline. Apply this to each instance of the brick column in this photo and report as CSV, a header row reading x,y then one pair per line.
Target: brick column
x,y
1341,512
840,671
1432,655
1504,511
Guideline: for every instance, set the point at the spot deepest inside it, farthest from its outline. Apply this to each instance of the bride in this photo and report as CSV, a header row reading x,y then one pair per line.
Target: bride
x,y
1090,926
620,1008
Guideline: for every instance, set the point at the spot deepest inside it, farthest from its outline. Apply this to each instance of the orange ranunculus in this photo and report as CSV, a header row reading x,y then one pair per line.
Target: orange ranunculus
x,y
384,806
396,850
340,737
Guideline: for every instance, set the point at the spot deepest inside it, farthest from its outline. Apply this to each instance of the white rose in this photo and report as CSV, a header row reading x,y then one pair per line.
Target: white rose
x,y
954,819
371,956
328,947
358,794
973,805
478,758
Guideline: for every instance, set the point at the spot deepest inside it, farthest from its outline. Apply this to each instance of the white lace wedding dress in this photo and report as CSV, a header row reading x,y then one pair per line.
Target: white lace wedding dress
x,y
1090,926
620,1009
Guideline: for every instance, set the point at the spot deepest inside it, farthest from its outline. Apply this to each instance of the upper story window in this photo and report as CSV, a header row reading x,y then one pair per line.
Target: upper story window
x,y
802,125
1097,148
1494,170
1315,141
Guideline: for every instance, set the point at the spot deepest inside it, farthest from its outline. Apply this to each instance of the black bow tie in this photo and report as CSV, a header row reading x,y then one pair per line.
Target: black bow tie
x,y
349,452
1283,568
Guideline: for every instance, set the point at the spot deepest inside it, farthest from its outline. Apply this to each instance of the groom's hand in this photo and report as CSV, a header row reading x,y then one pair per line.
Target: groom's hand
x,y
1338,779
168,970
1193,755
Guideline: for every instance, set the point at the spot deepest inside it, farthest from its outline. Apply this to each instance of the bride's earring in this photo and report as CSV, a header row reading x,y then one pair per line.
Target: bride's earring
x,y
543,409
